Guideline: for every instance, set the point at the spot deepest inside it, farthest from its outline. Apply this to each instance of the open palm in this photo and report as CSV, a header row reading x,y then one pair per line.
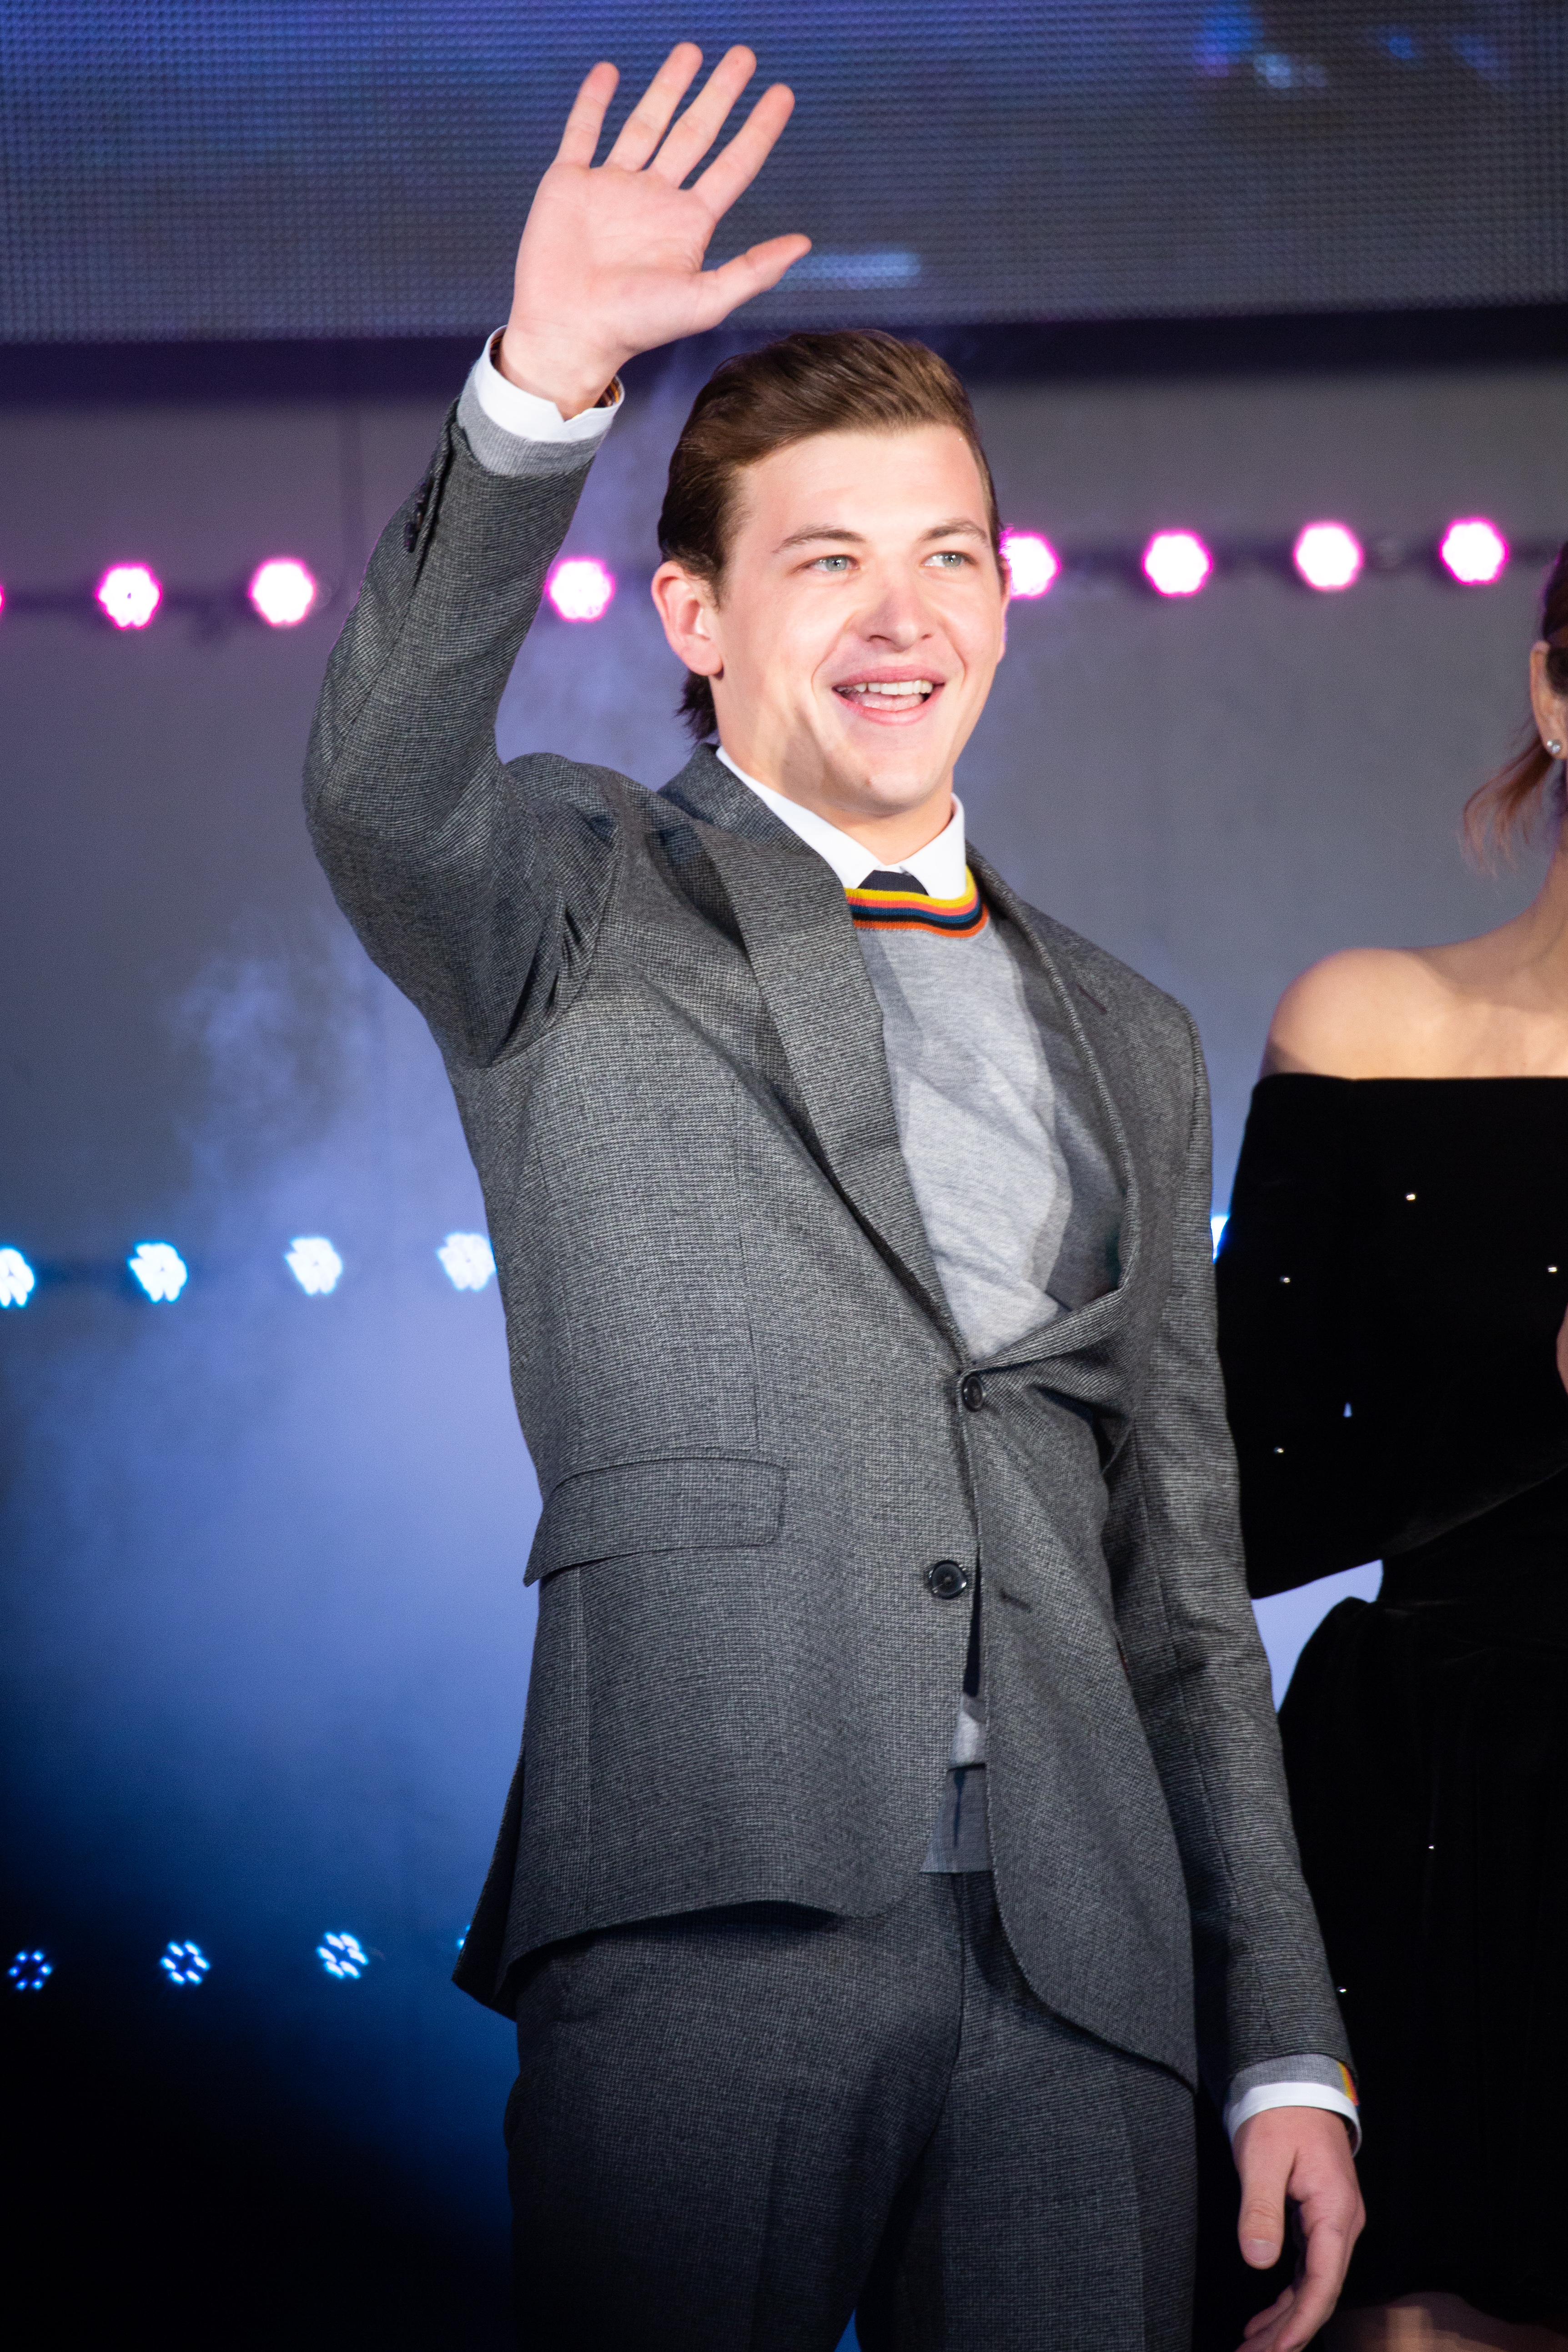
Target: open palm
x,y
611,258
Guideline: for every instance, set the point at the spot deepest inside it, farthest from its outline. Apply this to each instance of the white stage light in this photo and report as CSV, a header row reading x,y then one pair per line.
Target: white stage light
x,y
342,1955
185,1964
282,591
1033,562
581,588
130,595
469,1260
161,1271
17,1280
1475,551
314,1264
1328,556
1176,562
1216,1227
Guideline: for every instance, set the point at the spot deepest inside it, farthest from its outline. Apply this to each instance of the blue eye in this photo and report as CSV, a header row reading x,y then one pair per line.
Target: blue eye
x,y
824,559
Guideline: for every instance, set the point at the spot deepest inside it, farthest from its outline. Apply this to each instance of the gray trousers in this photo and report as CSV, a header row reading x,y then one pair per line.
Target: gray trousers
x,y
732,2129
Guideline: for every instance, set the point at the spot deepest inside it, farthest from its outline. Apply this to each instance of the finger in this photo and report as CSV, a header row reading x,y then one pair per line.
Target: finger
x,y
1318,2288
1264,2319
704,118
750,273
737,165
586,119
649,119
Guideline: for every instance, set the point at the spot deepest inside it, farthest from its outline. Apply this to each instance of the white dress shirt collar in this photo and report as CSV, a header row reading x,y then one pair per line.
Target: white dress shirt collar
x,y
941,867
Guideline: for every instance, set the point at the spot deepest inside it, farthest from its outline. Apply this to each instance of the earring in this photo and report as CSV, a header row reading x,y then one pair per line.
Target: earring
x,y
1554,746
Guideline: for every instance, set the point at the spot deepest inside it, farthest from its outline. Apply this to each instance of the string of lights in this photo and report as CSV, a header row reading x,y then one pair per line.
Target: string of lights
x,y
183,1962
1326,556
158,1273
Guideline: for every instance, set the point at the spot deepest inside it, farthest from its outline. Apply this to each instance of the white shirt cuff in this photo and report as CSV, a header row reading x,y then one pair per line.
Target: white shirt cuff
x,y
527,415
1291,2095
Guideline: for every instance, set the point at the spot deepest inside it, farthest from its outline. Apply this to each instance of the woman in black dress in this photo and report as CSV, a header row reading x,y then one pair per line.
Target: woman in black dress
x,y
1393,1285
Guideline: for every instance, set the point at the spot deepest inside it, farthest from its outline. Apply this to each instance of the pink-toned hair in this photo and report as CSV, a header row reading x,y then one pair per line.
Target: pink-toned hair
x,y
1504,812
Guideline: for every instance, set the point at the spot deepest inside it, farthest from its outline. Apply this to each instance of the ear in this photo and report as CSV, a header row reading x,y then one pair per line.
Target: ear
x,y
690,613
1549,707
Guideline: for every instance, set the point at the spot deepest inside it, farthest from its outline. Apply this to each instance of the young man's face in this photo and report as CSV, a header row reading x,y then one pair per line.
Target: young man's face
x,y
860,621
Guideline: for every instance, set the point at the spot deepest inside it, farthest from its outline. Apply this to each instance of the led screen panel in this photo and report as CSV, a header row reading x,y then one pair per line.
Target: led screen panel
x,y
243,169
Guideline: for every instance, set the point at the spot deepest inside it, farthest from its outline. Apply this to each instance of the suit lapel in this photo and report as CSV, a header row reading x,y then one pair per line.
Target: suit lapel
x,y
801,942
1092,1030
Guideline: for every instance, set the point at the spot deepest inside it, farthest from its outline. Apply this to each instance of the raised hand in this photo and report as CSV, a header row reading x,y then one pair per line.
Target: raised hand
x,y
611,258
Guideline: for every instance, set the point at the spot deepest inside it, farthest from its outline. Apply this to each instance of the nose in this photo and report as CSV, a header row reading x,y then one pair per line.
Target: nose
x,y
894,616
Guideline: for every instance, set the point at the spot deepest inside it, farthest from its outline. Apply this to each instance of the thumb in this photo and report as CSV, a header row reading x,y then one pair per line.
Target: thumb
x,y
751,273
1261,2226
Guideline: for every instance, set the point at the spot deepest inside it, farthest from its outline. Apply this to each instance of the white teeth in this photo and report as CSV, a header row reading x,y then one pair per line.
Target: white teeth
x,y
902,689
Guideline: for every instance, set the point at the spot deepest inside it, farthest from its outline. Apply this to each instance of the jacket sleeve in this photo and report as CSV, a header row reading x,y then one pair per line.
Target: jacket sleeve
x,y
476,887
1352,1447
1201,1679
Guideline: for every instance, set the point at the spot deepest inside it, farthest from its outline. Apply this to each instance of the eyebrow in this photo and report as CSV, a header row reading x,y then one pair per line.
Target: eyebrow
x,y
948,529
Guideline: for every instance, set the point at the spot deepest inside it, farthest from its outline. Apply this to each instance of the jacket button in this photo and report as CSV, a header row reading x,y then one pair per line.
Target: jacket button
x,y
973,1390
947,1580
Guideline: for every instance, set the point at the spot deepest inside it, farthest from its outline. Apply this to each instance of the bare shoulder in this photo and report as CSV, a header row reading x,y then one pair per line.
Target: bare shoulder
x,y
1365,1013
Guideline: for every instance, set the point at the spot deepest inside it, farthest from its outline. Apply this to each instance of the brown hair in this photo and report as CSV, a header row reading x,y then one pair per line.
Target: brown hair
x,y
1503,813
859,381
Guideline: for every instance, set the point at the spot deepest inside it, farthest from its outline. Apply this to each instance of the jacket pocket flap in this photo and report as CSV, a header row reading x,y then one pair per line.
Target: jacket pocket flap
x,y
707,1503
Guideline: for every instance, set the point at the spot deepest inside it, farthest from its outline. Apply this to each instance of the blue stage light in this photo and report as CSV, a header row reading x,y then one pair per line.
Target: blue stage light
x,y
185,1964
342,1955
161,1270
469,1260
314,1264
30,1972
1216,1227
18,1279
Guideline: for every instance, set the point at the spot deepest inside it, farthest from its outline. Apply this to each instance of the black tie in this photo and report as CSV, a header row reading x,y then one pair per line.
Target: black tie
x,y
879,880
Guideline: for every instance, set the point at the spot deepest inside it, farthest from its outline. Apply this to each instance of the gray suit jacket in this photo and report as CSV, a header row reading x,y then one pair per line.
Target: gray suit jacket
x,y
742,1387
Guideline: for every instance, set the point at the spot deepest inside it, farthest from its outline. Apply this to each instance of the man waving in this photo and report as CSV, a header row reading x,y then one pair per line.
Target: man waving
x,y
899,1827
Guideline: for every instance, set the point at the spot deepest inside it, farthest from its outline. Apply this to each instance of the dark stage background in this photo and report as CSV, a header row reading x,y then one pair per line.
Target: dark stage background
x,y
266,1641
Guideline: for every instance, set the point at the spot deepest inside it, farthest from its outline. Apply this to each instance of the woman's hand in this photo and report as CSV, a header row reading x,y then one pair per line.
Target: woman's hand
x,y
611,258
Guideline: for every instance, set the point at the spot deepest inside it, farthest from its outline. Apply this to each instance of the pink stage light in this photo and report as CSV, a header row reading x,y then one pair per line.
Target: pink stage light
x,y
1475,551
1177,564
581,588
1033,562
130,595
282,591
1328,556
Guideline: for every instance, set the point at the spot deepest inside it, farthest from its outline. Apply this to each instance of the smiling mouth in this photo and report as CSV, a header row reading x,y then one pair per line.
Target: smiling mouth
x,y
888,697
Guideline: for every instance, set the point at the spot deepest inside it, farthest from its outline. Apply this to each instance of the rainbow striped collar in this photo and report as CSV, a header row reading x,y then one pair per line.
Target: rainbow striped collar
x,y
913,910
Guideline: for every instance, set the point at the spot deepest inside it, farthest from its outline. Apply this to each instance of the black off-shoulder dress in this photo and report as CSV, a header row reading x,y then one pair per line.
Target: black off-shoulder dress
x,y
1391,1284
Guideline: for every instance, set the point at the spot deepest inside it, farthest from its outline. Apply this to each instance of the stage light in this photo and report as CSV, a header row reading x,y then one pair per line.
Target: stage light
x,y
282,591
1475,551
1216,1228
1032,562
581,588
161,1271
30,1972
17,1280
185,1964
1328,556
469,1260
343,1956
129,595
1177,564
314,1265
